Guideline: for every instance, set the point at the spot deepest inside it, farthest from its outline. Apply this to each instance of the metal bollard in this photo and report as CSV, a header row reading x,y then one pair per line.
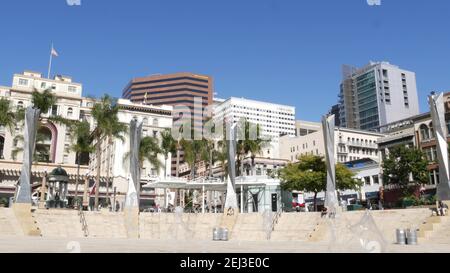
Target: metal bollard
x,y
217,236
411,236
224,236
401,237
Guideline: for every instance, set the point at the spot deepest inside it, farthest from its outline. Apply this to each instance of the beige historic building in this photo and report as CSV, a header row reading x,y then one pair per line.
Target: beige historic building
x,y
53,147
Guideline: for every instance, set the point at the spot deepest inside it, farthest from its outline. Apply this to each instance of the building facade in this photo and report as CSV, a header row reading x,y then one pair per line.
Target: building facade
x,y
184,91
350,145
55,141
376,95
275,120
417,132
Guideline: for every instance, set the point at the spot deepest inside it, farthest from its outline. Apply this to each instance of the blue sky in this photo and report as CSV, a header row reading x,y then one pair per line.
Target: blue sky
x,y
283,51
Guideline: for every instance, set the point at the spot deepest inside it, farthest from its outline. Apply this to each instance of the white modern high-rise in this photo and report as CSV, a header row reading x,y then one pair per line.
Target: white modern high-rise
x,y
377,94
275,120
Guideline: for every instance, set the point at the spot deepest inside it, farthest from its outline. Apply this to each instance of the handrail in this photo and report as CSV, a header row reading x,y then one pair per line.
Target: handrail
x,y
83,222
275,219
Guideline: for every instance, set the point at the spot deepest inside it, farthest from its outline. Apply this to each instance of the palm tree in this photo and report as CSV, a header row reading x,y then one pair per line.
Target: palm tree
x,y
7,116
189,154
105,113
168,145
82,134
44,101
148,151
222,156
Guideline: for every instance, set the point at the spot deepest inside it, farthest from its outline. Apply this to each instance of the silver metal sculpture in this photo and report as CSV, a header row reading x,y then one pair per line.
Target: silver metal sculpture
x,y
231,198
132,198
29,138
328,125
438,116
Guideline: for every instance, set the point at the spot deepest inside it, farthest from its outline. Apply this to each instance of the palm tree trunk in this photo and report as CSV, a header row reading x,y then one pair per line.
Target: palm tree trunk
x,y
97,184
178,163
165,165
77,178
211,163
108,172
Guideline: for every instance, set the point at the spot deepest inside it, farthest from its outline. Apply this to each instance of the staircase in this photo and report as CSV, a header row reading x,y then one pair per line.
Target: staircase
x,y
249,227
9,226
58,223
105,224
295,226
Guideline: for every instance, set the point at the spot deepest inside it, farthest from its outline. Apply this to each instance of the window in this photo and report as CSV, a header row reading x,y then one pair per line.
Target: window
x,y
70,112
20,105
23,82
54,86
155,122
145,121
155,134
424,132
43,85
376,179
72,89
54,110
66,159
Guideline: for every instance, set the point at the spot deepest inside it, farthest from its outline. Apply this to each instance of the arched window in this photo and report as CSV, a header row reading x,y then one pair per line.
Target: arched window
x,y
155,122
70,112
424,132
145,121
20,105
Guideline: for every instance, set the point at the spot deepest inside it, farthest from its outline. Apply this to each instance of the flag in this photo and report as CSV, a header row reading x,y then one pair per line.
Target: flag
x,y
54,53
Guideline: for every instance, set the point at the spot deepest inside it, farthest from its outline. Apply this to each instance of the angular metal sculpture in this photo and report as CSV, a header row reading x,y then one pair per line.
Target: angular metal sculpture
x,y
328,125
131,207
438,115
132,198
29,137
231,198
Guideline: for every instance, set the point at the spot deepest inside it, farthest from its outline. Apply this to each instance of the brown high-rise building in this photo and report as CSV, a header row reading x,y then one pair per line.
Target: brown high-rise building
x,y
179,89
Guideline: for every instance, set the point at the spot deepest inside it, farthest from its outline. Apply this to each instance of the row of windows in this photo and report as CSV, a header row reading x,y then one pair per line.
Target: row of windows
x,y
24,82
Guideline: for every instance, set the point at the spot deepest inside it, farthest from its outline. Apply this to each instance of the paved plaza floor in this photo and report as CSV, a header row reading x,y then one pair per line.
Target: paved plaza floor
x,y
58,245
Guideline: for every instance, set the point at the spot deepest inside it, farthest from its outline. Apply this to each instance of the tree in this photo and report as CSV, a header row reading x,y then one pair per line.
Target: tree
x,y
249,143
148,151
105,113
168,145
310,175
44,101
7,116
82,135
401,162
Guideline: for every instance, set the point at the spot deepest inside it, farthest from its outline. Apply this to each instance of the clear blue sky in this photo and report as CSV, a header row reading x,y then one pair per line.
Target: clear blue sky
x,y
283,51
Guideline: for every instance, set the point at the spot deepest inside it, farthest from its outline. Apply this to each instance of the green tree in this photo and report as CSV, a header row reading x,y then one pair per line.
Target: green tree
x,y
310,175
44,101
400,163
8,118
82,135
149,150
108,127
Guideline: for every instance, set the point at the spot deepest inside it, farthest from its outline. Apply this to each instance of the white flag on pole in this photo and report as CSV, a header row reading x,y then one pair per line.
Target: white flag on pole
x,y
54,53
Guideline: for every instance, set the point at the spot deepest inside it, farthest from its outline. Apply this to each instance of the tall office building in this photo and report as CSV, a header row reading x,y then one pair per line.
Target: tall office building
x,y
375,95
179,90
275,120
335,110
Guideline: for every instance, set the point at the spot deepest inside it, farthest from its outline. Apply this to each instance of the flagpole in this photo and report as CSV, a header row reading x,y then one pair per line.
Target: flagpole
x,y
50,62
